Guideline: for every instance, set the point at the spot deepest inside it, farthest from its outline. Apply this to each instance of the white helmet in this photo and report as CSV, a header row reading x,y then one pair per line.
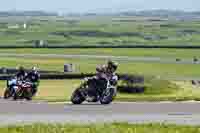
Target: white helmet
x,y
34,69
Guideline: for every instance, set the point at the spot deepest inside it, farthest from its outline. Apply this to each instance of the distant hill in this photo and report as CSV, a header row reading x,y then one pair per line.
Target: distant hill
x,y
170,14
164,14
26,13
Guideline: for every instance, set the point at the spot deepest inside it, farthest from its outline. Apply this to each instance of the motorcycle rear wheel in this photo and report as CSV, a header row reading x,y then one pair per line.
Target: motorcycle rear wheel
x,y
77,97
7,93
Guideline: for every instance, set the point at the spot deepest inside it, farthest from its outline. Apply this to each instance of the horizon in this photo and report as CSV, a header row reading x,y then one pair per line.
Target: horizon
x,y
77,6
102,12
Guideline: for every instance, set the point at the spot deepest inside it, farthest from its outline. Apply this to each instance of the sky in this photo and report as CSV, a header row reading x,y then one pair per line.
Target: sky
x,y
79,6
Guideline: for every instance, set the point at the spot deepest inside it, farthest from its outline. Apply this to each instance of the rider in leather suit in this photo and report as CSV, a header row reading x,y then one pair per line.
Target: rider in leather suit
x,y
34,77
104,72
21,74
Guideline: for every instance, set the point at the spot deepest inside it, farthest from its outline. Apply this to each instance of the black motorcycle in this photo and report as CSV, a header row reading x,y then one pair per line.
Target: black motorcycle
x,y
94,90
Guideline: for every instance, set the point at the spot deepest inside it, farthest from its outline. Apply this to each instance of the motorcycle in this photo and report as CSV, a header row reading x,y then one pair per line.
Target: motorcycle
x,y
23,90
94,90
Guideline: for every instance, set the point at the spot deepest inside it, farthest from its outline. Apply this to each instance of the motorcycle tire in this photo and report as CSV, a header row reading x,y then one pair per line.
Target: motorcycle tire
x,y
7,94
18,94
108,96
28,94
77,97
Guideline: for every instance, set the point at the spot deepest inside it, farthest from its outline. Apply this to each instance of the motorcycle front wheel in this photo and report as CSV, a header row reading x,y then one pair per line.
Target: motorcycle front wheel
x,y
28,94
108,96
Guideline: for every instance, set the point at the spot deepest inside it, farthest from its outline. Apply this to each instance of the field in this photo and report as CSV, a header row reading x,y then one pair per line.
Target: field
x,y
103,31
99,128
98,31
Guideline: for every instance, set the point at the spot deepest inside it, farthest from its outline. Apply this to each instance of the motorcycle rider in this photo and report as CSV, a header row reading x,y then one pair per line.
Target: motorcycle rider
x,y
34,77
21,74
106,71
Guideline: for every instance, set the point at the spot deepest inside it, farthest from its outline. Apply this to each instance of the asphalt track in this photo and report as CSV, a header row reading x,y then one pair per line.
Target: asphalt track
x,y
118,58
12,112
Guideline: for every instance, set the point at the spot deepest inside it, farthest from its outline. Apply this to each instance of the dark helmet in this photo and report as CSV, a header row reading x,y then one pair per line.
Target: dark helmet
x,y
112,64
21,68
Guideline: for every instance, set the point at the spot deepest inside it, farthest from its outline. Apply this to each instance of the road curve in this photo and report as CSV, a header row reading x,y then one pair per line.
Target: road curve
x,y
12,112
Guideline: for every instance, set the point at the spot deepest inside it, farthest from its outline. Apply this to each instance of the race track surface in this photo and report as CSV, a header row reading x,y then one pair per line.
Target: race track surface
x,y
12,112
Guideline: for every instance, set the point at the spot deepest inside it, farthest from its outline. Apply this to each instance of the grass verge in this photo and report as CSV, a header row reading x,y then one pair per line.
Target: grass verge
x,y
99,128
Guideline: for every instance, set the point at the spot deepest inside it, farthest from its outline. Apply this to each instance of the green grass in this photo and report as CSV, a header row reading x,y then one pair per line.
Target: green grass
x,y
156,90
99,128
149,32
89,65
166,53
